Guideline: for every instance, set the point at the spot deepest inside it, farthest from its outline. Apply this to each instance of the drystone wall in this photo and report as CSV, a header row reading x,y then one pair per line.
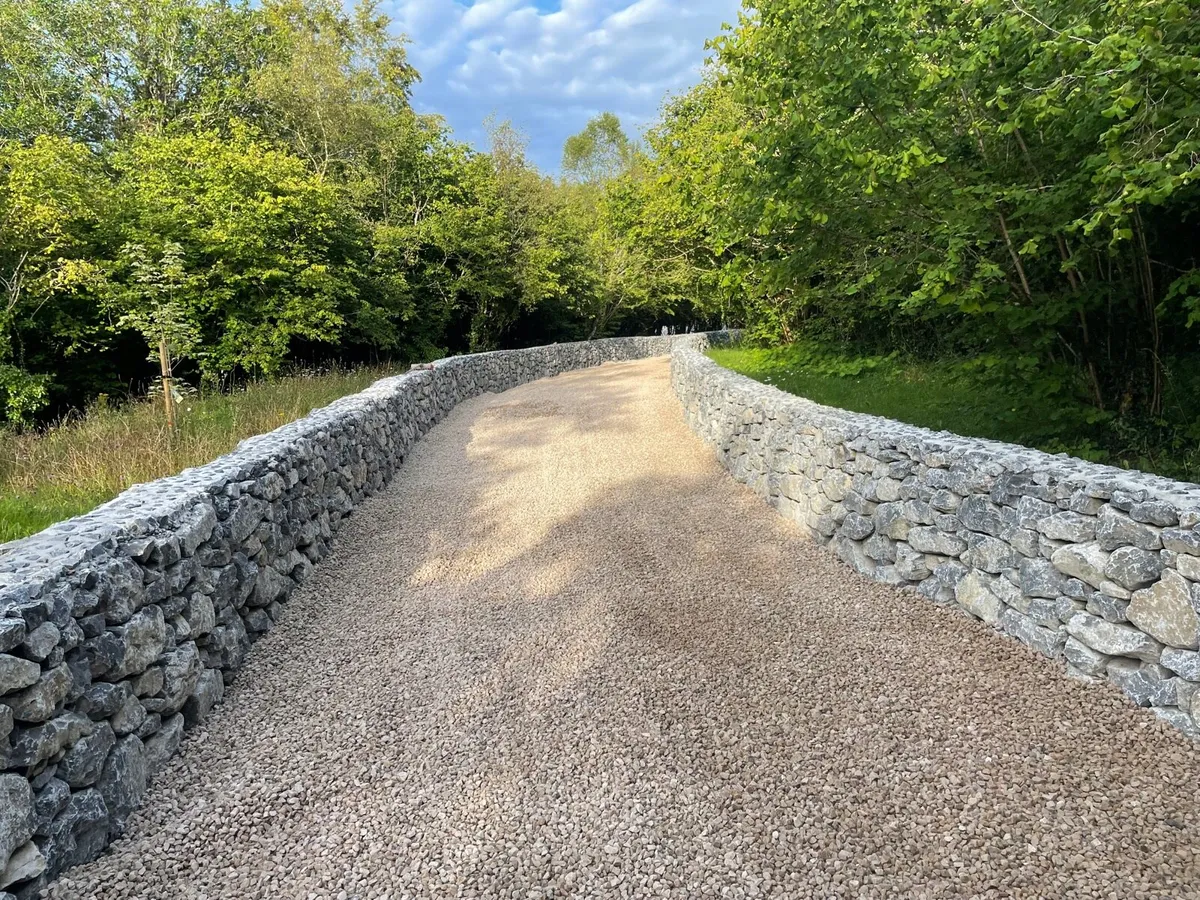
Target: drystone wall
x,y
119,629
1095,565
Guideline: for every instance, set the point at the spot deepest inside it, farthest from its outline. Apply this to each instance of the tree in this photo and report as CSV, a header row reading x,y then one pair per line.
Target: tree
x,y
599,153
155,303
52,198
268,253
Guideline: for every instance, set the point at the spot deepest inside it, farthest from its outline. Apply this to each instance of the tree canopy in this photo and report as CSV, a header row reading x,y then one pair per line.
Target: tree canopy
x,y
1011,182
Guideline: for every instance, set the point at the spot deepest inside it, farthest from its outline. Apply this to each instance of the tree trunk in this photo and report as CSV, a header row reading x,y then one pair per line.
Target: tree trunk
x,y
164,359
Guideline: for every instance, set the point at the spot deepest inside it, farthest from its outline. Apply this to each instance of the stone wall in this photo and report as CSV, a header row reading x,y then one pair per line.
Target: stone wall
x,y
119,629
1095,565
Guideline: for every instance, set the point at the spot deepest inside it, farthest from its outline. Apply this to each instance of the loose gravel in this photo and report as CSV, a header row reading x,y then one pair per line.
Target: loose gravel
x,y
564,655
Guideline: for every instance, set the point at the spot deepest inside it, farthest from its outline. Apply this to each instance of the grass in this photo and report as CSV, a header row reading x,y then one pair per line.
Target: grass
x,y
971,399
66,470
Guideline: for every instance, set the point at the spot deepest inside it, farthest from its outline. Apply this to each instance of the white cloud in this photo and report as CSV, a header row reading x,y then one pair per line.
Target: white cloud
x,y
549,65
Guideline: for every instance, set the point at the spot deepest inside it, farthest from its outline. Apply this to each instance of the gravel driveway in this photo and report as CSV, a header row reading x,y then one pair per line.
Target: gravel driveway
x,y
564,655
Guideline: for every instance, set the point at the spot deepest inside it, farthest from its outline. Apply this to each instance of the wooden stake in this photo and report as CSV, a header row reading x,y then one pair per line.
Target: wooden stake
x,y
164,360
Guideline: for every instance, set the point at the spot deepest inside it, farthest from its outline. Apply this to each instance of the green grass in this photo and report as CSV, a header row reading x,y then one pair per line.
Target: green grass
x,y
972,398
50,475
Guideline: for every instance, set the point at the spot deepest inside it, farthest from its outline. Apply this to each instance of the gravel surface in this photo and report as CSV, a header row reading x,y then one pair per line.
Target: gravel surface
x,y
564,655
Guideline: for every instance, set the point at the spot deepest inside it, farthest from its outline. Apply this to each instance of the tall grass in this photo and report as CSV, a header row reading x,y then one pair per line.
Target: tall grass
x,y
50,475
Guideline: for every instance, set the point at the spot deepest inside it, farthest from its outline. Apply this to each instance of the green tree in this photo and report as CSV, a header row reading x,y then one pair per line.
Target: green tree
x,y
267,252
52,199
600,152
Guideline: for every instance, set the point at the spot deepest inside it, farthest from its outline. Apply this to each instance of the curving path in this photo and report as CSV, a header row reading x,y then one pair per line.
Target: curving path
x,y
564,655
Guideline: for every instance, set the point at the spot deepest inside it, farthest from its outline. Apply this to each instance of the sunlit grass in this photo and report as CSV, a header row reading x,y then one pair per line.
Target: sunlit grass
x,y
954,395
73,467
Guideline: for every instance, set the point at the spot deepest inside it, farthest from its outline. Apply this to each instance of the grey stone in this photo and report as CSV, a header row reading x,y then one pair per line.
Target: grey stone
x,y
210,690
12,633
950,573
1179,540
149,682
1165,612
1082,502
973,596
1185,663
37,702
1177,718
129,717
980,514
1047,641
1039,578
245,519
1133,568
1031,511
150,725
85,760
26,863
31,746
1044,612
1113,530
1154,512
41,641
1084,658
945,501
227,646
857,527
79,832
890,521
910,565
1113,639
16,673
181,669
887,489
880,548
934,590
890,575
1143,683
200,615
920,513
989,554
17,817
1068,526
1115,591
257,621
269,586
49,802
1083,561
142,641
195,528
123,781
1108,608
102,700
855,502
930,540
163,744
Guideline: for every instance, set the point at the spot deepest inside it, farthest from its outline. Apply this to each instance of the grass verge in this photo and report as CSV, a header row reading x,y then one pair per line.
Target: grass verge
x,y
974,398
50,475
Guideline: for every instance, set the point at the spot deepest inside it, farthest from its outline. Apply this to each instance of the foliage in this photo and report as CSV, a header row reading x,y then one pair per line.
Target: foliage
x,y
599,153
251,180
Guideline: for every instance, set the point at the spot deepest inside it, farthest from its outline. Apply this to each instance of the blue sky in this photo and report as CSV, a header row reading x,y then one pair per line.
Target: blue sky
x,y
550,65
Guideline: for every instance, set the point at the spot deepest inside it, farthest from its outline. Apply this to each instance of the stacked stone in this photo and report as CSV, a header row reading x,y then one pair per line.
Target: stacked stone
x,y
120,629
1097,565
